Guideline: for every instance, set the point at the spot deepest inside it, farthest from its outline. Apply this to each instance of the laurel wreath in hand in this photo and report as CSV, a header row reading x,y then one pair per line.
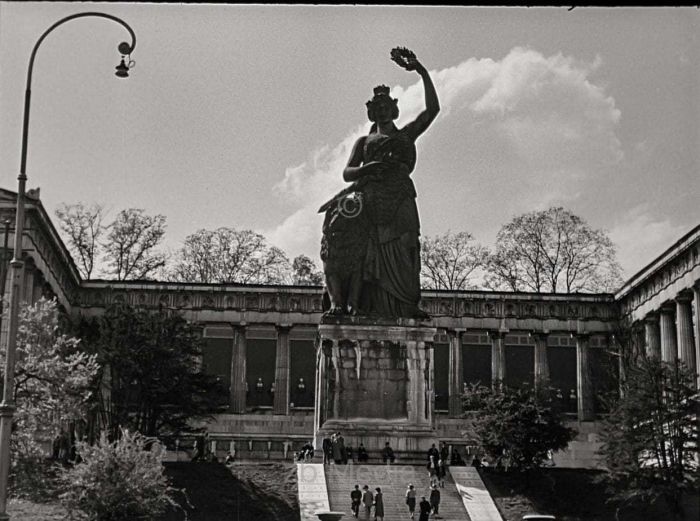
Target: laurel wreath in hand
x,y
403,57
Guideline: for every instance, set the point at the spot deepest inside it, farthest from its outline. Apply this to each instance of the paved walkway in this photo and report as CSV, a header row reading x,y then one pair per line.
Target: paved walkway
x,y
475,496
313,494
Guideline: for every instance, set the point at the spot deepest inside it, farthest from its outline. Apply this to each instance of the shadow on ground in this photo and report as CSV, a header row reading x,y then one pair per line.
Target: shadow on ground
x,y
240,492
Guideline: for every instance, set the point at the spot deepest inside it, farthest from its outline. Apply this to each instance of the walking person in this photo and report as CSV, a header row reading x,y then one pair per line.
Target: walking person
x,y
435,501
378,505
424,510
367,502
432,471
411,500
355,500
441,472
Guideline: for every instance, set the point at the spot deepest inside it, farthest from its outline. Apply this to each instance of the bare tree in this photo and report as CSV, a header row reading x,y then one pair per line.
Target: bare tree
x,y
82,227
305,272
130,248
449,261
553,251
228,255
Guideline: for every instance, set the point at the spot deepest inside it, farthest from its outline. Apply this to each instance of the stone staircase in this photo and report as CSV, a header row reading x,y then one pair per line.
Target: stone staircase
x,y
393,480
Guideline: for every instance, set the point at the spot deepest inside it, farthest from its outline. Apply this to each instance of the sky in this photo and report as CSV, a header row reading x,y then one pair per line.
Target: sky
x,y
244,116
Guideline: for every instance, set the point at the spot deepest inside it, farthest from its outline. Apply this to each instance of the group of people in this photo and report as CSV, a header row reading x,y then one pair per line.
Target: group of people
x,y
425,507
335,451
367,500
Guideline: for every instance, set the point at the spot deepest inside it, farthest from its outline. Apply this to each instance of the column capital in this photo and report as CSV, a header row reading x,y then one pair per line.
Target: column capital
x,y
284,326
239,326
583,335
537,334
685,296
667,308
456,330
496,333
652,317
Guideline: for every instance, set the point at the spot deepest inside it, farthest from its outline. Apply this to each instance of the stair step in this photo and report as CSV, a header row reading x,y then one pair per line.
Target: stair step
x,y
393,480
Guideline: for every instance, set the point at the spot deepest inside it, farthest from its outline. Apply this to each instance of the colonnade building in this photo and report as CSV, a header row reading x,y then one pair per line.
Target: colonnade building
x,y
262,342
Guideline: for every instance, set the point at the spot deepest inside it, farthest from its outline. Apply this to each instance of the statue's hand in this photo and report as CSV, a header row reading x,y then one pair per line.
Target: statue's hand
x,y
405,58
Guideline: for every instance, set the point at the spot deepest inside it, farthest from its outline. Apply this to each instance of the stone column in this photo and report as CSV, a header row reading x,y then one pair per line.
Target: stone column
x,y
684,330
669,348
498,357
29,275
584,384
541,360
652,336
238,369
456,372
281,401
696,305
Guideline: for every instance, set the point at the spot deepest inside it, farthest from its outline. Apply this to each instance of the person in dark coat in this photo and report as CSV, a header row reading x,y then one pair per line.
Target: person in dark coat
x,y
411,500
362,455
388,454
327,450
425,507
435,500
378,505
355,500
433,453
367,501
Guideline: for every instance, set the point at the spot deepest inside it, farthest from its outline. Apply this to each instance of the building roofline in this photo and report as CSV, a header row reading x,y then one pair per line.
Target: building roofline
x,y
650,269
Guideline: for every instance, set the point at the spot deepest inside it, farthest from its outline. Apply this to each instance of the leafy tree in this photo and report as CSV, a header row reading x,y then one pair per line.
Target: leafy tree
x,y
227,255
305,272
650,439
53,378
517,427
449,261
553,251
152,382
120,480
82,225
130,246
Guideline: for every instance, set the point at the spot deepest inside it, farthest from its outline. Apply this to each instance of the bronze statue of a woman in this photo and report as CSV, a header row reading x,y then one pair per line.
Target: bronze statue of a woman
x,y
370,246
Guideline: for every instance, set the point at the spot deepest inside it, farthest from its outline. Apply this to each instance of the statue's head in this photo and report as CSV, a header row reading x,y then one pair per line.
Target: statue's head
x,y
382,97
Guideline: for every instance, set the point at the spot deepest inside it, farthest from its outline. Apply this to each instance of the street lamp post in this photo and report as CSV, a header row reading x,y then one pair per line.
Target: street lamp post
x,y
7,407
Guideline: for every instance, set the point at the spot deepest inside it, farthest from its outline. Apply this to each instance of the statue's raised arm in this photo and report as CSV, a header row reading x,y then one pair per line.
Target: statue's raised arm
x,y
408,60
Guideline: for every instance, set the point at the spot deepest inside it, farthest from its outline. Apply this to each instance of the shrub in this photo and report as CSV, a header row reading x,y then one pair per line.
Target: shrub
x,y
121,480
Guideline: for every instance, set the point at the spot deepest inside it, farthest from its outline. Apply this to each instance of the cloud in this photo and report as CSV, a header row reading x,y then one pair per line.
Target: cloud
x,y
550,119
550,110
637,233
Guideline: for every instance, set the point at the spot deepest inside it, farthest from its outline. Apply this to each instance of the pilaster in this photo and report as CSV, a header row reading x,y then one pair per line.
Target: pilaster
x,y
238,370
541,360
584,383
456,372
281,399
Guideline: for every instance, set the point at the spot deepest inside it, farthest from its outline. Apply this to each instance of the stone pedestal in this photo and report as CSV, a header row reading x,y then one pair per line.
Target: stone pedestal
x,y
375,383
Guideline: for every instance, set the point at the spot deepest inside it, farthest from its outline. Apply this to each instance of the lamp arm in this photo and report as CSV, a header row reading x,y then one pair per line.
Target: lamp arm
x,y
124,48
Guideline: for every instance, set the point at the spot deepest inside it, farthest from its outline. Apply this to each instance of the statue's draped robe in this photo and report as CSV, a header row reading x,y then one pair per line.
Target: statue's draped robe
x,y
382,240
